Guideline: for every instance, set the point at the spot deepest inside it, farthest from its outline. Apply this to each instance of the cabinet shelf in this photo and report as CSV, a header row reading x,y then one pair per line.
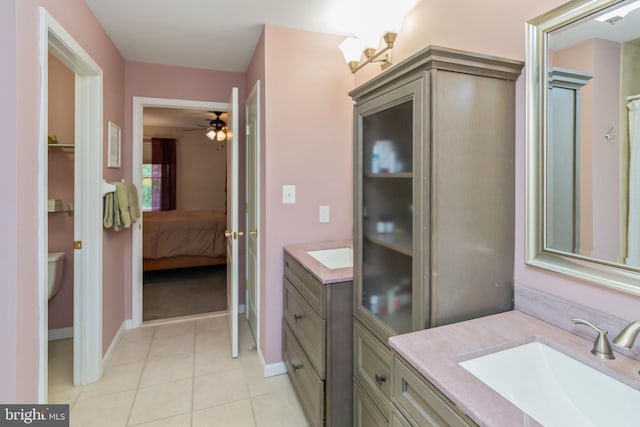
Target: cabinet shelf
x,y
401,243
405,175
68,148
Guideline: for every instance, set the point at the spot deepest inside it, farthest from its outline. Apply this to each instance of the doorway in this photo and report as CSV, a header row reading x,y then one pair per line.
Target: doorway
x,y
138,136
87,199
184,212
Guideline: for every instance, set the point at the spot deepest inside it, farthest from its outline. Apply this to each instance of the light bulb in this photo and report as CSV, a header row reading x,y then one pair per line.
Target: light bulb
x,y
211,134
351,49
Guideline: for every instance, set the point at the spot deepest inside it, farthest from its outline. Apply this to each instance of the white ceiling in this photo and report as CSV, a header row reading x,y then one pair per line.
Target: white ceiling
x,y
627,29
220,35
214,34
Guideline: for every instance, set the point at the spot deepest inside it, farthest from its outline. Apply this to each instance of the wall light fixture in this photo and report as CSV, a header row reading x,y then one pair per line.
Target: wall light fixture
x,y
358,55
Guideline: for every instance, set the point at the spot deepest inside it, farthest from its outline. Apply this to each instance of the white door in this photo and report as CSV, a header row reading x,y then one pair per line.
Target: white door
x,y
253,186
232,232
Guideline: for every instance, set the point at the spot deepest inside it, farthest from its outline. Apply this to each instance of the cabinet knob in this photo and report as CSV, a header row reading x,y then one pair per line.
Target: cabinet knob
x,y
380,379
298,316
296,366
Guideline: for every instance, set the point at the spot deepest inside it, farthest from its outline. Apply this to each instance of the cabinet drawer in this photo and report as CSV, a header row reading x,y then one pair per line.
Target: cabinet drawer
x,y
310,288
372,366
366,413
308,386
420,401
306,325
397,419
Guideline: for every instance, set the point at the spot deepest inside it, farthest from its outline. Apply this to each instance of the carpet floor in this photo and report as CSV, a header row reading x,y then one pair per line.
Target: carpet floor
x,y
184,291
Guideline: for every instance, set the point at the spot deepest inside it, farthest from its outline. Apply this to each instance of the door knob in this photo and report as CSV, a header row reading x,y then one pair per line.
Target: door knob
x,y
240,233
253,233
227,233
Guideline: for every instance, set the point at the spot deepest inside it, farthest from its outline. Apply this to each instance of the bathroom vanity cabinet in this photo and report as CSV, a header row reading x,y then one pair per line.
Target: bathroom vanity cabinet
x,y
417,402
433,204
317,344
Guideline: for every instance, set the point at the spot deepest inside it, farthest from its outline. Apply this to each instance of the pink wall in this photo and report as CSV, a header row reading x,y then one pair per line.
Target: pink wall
x,y
307,142
20,170
9,218
606,207
60,186
165,81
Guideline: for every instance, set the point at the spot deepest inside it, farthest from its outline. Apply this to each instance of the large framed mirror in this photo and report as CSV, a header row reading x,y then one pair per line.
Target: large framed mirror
x,y
583,142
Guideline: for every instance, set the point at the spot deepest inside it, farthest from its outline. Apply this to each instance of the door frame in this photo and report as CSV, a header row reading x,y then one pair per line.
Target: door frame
x,y
136,170
87,307
254,97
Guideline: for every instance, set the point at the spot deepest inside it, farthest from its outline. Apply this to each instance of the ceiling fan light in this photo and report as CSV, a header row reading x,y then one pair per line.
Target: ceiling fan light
x,y
221,135
211,134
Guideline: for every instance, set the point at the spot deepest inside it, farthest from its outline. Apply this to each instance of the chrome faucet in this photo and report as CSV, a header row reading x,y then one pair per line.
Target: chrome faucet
x,y
628,335
601,347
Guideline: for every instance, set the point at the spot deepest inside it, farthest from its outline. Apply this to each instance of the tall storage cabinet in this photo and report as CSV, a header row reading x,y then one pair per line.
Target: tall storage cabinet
x,y
433,202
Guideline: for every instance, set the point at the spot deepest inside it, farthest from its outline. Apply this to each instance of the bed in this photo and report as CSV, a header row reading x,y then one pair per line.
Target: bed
x,y
180,239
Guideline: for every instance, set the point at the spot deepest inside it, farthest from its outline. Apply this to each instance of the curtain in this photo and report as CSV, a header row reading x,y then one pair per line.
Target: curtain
x,y
633,228
163,175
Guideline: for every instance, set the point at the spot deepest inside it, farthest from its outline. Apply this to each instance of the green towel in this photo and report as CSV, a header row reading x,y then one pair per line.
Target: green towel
x,y
107,217
134,207
122,197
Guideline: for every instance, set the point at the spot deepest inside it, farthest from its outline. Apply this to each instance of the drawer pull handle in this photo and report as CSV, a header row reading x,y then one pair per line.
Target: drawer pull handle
x,y
380,379
298,316
296,366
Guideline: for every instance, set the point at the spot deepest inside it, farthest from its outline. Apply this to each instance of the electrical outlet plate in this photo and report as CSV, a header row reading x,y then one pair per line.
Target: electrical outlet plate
x,y
288,194
323,214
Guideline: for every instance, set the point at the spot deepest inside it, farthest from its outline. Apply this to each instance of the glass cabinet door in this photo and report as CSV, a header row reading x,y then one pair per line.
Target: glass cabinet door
x,y
387,215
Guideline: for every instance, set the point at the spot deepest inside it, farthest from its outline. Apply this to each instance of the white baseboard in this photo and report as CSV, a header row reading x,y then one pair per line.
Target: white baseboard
x,y
60,334
129,324
112,346
272,369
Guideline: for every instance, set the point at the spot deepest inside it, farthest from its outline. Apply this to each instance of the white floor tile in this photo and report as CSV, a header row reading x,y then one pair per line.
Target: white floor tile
x,y
232,414
115,379
159,371
183,420
161,401
177,375
215,389
110,410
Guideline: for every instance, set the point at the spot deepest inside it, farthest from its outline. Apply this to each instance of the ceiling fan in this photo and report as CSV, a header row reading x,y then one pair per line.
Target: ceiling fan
x,y
217,130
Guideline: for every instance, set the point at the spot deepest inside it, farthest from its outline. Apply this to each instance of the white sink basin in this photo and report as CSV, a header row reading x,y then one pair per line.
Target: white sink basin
x,y
555,389
334,258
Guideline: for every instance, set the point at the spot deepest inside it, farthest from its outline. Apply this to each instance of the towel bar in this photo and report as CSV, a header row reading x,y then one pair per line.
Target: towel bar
x,y
107,187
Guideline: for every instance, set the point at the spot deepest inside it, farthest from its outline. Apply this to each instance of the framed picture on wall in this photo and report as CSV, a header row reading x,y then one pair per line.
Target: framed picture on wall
x,y
113,148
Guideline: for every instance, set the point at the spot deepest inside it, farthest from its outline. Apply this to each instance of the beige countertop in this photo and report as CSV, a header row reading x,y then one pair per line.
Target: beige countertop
x,y
316,268
435,353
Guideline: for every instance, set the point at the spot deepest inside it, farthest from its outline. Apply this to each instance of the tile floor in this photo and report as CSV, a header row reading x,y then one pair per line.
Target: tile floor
x,y
175,375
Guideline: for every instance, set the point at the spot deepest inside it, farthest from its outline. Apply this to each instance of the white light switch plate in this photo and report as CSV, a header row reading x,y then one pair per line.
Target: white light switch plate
x,y
323,214
288,194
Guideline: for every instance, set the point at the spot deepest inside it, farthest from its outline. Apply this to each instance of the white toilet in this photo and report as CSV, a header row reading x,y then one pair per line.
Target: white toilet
x,y
55,268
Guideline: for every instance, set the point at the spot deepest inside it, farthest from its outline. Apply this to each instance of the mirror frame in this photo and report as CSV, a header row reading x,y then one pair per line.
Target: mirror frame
x,y
604,273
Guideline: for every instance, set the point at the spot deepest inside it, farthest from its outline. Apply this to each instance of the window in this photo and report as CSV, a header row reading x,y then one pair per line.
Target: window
x,y
159,176
147,187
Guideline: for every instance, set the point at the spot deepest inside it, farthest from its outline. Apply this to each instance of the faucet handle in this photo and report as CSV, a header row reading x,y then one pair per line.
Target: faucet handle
x,y
601,347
